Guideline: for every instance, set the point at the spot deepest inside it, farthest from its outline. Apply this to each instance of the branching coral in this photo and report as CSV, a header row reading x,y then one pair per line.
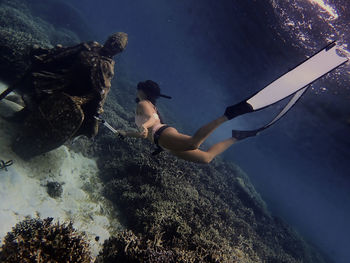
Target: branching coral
x,y
127,247
37,240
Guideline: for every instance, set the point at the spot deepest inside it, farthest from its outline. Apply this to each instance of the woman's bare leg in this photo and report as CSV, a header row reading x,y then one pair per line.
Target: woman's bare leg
x,y
203,133
199,156
175,141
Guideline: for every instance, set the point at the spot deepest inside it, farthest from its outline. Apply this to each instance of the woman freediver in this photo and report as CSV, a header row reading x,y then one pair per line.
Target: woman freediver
x,y
168,138
295,82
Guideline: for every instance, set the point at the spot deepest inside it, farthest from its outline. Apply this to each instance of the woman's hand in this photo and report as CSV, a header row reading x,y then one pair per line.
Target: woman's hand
x,y
139,134
122,134
144,132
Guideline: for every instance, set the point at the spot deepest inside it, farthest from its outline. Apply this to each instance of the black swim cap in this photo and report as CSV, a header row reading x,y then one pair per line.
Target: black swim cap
x,y
151,89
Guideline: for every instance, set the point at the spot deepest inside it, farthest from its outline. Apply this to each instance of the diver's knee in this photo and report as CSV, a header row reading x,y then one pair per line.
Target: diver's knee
x,y
207,160
192,145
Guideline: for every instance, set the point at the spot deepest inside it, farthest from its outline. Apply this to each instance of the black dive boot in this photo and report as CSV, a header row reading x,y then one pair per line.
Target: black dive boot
x,y
238,109
240,135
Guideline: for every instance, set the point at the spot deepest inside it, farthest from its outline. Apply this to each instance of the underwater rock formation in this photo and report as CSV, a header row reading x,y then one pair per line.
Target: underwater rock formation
x,y
41,240
54,189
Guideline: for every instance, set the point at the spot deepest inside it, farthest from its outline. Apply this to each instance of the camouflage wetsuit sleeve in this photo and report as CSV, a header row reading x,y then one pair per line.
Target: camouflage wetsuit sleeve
x,y
98,74
101,76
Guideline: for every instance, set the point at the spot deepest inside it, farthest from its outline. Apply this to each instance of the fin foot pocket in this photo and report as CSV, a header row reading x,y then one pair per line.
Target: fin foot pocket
x,y
238,109
240,135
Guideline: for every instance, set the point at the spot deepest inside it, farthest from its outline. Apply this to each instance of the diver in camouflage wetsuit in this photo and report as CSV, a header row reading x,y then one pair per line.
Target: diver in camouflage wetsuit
x,y
64,88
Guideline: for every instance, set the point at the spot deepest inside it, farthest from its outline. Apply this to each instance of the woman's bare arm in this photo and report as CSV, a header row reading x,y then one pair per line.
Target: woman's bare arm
x,y
145,108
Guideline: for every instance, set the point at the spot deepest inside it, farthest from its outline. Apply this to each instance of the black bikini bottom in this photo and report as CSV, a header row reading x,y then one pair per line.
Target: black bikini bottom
x,y
156,137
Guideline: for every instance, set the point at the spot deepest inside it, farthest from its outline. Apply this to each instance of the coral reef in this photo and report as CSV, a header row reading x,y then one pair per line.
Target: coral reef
x,y
53,11
19,31
127,247
175,211
211,213
37,240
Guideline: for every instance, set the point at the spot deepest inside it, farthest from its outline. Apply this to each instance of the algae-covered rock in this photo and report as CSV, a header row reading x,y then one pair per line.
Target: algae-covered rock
x,y
54,189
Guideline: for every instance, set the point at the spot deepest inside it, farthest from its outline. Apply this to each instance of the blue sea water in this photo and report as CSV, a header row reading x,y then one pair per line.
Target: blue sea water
x,y
210,54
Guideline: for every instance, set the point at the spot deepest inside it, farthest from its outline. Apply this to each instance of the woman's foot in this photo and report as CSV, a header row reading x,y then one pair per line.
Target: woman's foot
x,y
238,109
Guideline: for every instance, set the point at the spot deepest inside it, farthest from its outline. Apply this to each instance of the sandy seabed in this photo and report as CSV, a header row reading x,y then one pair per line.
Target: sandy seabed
x,y
23,190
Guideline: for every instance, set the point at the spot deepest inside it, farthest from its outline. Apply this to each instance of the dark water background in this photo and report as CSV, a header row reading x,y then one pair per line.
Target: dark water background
x,y
210,54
